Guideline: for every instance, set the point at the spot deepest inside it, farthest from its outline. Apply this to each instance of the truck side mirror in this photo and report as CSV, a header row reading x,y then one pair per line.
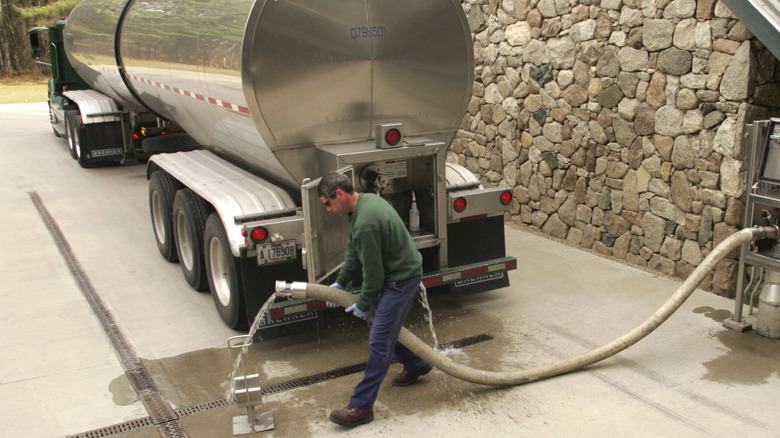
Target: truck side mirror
x,y
35,42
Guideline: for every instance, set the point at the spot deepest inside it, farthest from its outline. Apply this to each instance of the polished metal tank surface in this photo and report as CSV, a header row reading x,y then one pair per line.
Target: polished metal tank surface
x,y
89,41
262,83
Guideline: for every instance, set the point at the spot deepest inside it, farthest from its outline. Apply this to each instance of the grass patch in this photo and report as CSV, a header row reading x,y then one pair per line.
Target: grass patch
x,y
23,89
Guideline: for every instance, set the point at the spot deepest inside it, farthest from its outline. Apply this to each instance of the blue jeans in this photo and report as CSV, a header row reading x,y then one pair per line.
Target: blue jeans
x,y
392,306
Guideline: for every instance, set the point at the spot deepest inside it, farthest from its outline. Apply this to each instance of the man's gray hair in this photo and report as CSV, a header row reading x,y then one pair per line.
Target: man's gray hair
x,y
332,182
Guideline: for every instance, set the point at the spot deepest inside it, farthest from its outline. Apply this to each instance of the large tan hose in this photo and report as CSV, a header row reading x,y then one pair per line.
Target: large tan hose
x,y
498,378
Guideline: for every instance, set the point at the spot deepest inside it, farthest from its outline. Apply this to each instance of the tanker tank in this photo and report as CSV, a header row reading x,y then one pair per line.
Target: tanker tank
x,y
263,83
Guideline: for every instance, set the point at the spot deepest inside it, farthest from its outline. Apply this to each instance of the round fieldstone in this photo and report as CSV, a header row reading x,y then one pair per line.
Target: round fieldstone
x,y
675,61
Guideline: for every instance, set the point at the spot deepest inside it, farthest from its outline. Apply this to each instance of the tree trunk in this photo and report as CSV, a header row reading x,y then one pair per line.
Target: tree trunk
x,y
7,64
15,55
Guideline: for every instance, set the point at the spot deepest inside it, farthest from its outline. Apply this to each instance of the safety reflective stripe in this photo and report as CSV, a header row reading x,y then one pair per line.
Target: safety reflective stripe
x,y
289,310
211,100
275,313
469,273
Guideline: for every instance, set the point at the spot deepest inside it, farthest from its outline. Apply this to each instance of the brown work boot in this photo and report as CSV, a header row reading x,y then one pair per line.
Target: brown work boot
x,y
351,416
405,378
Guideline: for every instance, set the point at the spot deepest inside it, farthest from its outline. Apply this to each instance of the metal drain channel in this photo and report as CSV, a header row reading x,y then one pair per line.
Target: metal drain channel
x,y
352,369
160,412
116,429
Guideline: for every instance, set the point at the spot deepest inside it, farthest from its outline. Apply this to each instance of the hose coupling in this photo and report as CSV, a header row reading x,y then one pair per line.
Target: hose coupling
x,y
294,290
765,232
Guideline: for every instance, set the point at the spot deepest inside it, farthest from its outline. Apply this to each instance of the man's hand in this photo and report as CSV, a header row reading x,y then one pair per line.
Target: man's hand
x,y
353,309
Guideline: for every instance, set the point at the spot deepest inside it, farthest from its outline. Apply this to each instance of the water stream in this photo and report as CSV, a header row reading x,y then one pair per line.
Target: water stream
x,y
248,339
428,315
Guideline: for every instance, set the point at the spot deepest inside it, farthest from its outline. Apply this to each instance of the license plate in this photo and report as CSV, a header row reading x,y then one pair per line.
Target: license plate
x,y
276,252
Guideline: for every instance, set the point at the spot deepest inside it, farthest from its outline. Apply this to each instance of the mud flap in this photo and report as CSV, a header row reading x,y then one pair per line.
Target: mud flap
x,y
101,143
259,282
464,249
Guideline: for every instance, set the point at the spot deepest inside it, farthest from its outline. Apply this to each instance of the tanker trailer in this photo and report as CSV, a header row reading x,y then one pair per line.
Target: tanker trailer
x,y
278,94
102,123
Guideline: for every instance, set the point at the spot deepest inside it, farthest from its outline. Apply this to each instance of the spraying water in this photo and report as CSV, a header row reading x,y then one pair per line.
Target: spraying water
x,y
248,338
428,315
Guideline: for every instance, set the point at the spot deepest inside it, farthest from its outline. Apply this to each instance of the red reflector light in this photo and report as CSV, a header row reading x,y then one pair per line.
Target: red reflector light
x,y
459,205
392,137
259,234
136,136
506,197
243,232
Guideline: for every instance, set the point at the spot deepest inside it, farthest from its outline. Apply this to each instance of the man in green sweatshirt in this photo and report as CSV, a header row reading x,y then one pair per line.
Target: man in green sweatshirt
x,y
382,250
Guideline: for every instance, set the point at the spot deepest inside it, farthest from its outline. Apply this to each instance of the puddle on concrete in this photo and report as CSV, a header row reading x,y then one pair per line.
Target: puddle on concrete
x,y
122,392
202,376
194,377
718,315
749,358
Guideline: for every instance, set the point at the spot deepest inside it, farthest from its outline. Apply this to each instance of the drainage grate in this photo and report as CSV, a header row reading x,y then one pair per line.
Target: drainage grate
x,y
116,429
352,369
465,342
315,378
172,429
196,409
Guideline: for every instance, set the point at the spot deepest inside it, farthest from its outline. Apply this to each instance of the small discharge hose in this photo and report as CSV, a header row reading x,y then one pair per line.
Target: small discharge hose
x,y
498,378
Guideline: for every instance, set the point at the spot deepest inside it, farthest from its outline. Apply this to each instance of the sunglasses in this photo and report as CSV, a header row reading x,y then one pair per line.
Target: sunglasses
x,y
327,203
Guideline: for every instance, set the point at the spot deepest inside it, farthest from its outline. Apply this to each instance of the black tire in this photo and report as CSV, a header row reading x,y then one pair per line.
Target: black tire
x,y
83,151
53,122
189,222
77,140
162,189
223,272
72,124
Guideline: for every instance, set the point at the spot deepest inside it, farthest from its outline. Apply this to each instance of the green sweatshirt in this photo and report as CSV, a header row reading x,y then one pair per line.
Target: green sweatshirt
x,y
380,246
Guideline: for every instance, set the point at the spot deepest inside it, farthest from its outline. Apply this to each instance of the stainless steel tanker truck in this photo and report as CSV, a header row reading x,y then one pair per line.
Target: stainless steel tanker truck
x,y
242,105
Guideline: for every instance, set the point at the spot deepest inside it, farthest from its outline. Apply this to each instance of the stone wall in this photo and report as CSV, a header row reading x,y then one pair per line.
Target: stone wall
x,y
618,123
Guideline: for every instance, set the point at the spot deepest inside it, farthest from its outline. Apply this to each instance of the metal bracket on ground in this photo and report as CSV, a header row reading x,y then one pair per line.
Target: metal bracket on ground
x,y
248,393
739,326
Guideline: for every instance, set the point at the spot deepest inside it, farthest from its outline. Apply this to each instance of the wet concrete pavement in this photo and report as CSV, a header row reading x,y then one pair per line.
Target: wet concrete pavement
x,y
60,375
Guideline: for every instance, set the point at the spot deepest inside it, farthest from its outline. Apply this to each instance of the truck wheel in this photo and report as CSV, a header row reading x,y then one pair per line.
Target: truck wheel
x,y
53,120
223,273
78,148
72,120
189,221
162,188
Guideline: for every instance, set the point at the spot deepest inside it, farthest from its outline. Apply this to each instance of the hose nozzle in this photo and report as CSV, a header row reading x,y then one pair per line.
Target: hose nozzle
x,y
294,290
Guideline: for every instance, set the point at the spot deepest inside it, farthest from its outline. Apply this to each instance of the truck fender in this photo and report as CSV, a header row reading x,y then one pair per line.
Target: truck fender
x,y
235,195
94,107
